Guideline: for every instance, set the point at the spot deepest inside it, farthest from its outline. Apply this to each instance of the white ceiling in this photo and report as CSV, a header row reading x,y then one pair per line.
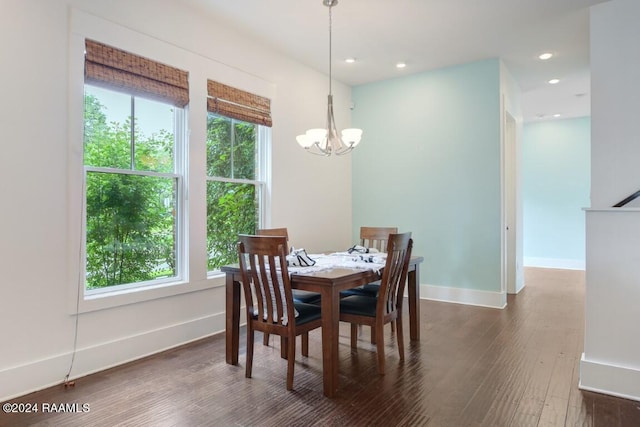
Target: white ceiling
x,y
431,34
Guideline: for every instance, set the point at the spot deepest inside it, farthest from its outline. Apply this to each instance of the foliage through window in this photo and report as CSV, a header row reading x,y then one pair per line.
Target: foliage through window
x,y
134,180
234,186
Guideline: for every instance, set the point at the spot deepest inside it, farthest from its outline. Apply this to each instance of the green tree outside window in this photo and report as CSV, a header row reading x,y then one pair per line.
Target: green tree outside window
x,y
233,192
130,216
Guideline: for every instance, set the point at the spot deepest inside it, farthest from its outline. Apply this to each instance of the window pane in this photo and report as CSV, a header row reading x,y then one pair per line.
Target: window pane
x,y
244,150
131,228
232,209
153,136
218,146
107,128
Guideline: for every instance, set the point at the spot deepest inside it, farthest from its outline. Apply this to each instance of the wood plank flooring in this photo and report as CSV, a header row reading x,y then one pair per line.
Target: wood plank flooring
x,y
474,366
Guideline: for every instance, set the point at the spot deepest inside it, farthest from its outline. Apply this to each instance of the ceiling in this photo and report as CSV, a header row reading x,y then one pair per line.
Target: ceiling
x,y
431,34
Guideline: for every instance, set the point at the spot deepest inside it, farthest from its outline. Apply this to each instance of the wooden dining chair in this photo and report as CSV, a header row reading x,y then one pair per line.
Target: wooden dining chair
x,y
387,306
298,295
371,237
376,237
269,298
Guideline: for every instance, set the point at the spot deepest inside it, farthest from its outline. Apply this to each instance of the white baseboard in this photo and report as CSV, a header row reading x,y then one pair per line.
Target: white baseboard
x,y
40,374
464,296
609,379
566,264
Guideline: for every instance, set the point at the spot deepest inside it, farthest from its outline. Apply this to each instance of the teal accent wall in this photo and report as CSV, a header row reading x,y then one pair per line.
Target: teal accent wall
x,y
429,163
556,185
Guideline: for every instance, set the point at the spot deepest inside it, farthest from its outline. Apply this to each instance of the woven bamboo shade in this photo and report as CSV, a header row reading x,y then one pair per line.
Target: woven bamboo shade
x,y
123,71
238,104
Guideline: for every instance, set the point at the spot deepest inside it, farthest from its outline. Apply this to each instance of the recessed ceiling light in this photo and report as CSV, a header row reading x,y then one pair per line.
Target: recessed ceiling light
x,y
350,60
545,56
557,115
401,65
554,81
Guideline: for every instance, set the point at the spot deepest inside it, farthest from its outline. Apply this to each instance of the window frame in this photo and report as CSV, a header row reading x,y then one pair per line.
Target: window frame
x,y
261,181
180,173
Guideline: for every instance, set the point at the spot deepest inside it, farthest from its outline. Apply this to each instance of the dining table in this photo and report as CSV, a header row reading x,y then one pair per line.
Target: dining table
x,y
328,281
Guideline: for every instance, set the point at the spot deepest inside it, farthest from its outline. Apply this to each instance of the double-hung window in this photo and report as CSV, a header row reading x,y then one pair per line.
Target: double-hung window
x,y
134,149
237,136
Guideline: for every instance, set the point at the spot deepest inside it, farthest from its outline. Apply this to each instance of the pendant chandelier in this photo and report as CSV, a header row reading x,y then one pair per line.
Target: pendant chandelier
x,y
325,142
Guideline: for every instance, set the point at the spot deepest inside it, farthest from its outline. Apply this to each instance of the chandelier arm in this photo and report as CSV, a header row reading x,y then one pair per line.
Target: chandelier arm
x,y
318,150
347,148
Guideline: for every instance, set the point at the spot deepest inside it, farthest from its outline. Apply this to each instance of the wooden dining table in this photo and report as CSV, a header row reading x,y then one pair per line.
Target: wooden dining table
x,y
328,283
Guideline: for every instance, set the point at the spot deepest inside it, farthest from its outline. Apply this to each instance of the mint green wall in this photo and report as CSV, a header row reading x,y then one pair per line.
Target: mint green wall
x,y
555,180
429,163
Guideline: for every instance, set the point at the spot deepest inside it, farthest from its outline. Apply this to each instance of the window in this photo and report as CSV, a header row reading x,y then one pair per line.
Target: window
x,y
237,136
134,175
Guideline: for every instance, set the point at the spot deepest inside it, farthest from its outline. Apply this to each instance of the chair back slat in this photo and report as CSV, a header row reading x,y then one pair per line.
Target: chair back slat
x,y
376,237
394,275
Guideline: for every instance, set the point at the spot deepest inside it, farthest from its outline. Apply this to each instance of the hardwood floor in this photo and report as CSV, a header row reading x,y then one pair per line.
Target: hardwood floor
x,y
473,367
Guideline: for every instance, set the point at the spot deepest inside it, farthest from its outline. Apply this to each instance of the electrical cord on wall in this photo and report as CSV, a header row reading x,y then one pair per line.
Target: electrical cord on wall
x,y
67,382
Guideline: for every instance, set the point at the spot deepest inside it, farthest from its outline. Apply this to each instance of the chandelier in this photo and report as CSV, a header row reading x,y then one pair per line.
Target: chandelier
x,y
325,142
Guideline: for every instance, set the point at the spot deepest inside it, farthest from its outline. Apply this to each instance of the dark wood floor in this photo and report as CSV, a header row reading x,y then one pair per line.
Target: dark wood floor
x,y
473,367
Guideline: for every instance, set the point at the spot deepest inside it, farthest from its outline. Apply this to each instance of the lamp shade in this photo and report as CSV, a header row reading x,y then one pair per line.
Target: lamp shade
x,y
351,136
311,137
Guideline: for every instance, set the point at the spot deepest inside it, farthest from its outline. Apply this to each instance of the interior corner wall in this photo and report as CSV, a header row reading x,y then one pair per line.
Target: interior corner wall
x,y
429,163
556,184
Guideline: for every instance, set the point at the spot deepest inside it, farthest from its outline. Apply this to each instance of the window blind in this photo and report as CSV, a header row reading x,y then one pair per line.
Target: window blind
x,y
238,104
119,70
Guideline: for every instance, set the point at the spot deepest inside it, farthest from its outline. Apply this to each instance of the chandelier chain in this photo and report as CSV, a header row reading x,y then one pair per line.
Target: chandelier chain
x,y
330,27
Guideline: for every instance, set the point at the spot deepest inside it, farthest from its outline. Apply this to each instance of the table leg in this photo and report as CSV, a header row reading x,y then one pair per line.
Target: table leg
x,y
232,305
330,334
413,280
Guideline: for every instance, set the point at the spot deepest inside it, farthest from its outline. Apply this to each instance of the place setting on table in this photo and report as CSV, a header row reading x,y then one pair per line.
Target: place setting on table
x,y
358,257
331,276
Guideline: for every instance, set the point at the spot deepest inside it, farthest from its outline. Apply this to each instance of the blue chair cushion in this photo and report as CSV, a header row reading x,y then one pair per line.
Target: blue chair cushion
x,y
359,305
306,297
368,290
306,312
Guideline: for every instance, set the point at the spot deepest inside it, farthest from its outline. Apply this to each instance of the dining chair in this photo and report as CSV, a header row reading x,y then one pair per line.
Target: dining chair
x,y
271,308
387,306
298,295
371,237
376,237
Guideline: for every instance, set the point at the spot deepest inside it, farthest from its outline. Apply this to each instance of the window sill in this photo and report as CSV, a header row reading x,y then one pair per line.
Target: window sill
x,y
124,297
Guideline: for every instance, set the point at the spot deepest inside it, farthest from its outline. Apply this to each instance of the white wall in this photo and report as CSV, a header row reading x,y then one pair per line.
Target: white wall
x,y
611,359
39,222
615,66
